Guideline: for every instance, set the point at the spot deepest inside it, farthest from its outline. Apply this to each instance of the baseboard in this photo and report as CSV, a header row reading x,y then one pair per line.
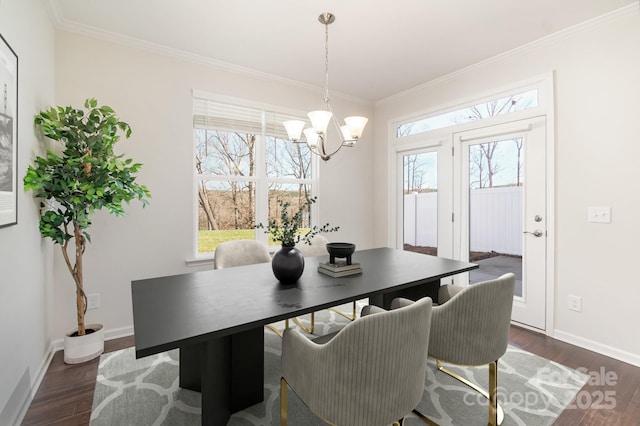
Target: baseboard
x,y
58,345
606,350
117,333
35,385
114,333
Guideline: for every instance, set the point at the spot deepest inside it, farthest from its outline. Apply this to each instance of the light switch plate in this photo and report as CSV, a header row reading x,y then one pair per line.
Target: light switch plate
x,y
599,214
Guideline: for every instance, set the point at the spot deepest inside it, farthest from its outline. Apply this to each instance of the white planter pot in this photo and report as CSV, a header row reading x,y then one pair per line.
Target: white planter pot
x,y
78,349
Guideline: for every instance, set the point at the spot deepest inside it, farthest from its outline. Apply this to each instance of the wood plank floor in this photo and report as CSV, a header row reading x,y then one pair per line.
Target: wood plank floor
x,y
66,393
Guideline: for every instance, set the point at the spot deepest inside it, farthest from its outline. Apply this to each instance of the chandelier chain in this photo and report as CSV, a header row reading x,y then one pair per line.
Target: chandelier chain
x,y
326,62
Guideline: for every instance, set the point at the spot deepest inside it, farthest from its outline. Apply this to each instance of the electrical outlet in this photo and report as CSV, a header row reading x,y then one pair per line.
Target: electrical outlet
x,y
575,303
93,301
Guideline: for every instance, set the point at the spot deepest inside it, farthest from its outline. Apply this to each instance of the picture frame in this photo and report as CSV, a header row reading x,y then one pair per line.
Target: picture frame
x,y
8,134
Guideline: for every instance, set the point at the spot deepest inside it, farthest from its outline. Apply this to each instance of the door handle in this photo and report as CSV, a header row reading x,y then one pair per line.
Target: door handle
x,y
536,233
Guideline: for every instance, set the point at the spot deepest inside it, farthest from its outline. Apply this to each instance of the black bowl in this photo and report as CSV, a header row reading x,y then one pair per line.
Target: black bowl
x,y
340,250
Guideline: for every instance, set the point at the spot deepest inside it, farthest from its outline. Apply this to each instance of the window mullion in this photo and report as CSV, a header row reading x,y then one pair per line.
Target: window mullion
x,y
262,188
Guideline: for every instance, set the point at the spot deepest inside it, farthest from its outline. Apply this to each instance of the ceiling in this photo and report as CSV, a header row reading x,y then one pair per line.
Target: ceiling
x,y
377,48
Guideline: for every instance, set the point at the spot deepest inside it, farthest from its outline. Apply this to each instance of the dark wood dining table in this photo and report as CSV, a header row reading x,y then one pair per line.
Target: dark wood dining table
x,y
216,317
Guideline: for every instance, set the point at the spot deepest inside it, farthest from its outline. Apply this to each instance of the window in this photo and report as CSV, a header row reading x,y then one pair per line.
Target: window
x,y
243,165
498,106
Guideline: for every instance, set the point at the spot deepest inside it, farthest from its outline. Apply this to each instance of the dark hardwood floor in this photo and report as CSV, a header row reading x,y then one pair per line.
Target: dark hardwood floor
x,y
66,393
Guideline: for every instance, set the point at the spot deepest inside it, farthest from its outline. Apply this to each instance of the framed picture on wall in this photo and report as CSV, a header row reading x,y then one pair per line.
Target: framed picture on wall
x,y
8,134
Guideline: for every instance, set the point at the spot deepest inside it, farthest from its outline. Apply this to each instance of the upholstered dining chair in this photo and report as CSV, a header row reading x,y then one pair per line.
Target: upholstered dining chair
x,y
369,373
318,247
470,326
234,253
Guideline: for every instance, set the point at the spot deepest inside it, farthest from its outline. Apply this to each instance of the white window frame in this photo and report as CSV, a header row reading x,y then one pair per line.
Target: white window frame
x,y
260,179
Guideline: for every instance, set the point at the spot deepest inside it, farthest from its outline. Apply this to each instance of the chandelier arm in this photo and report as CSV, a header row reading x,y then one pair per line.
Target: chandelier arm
x,y
322,153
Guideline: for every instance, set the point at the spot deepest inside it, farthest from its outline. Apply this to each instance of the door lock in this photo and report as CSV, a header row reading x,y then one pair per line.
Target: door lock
x,y
536,233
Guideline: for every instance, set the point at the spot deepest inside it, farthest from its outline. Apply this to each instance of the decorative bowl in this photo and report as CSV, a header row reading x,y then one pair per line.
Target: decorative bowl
x,y
340,250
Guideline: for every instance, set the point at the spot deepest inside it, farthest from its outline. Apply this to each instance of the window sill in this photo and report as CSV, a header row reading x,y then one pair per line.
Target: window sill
x,y
200,261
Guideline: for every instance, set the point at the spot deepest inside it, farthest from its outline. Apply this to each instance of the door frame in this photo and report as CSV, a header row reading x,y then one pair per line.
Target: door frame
x,y
396,147
532,131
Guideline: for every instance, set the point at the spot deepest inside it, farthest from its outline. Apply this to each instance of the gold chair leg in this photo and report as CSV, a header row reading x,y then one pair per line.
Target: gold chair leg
x,y
351,317
305,328
283,402
496,413
275,330
493,394
424,418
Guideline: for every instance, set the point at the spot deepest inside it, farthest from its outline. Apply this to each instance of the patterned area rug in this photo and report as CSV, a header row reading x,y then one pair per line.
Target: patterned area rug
x,y
532,390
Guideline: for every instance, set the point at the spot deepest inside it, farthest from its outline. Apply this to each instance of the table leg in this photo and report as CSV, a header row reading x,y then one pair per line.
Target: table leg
x,y
206,368
228,371
247,369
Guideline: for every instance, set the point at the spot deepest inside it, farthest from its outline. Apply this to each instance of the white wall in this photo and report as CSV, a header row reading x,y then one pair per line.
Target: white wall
x,y
597,149
25,261
152,92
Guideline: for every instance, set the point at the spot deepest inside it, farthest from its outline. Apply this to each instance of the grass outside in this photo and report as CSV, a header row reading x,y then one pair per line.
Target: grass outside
x,y
209,240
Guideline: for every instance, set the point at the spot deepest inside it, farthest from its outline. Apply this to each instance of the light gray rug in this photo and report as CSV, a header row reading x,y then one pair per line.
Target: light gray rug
x,y
532,390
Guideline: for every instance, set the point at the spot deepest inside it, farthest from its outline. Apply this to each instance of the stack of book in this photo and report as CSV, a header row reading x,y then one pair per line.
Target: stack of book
x,y
339,269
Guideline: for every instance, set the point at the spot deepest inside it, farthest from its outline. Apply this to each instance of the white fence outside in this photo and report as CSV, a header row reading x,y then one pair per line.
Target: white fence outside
x,y
495,220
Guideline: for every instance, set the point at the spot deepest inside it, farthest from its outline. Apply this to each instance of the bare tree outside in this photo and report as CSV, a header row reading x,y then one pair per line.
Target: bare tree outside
x,y
230,154
413,174
287,160
518,143
226,162
203,196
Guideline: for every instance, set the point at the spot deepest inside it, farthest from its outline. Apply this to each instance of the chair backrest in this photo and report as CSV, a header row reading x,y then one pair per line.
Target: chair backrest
x,y
240,252
371,373
472,328
318,246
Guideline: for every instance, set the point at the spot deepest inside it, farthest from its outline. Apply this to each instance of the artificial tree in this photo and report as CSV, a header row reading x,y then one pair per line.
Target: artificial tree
x,y
88,176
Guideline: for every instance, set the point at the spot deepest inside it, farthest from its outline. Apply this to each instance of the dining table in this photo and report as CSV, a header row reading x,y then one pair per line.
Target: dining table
x,y
216,317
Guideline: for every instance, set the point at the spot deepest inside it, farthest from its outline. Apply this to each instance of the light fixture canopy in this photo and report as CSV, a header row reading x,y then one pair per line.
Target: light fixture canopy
x,y
316,135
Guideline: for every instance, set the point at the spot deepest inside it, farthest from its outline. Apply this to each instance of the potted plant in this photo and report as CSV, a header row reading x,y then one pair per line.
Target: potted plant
x,y
288,262
85,177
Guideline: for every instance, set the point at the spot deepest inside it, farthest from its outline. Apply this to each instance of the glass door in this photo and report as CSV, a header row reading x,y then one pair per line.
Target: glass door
x,y
420,202
501,182
425,199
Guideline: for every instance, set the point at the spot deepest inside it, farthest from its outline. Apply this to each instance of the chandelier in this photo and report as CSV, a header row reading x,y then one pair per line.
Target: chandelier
x,y
316,135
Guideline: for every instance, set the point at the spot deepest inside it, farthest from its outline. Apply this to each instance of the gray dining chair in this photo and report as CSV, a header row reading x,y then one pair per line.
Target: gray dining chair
x,y
318,247
470,326
370,373
234,253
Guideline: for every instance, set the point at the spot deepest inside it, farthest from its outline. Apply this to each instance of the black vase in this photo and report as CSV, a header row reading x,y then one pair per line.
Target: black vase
x,y
287,264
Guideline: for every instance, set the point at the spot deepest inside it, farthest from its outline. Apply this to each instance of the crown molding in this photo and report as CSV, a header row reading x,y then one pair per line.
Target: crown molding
x,y
63,24
613,16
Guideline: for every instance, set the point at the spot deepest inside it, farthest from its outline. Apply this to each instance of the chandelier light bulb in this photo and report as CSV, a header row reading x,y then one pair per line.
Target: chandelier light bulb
x,y
320,120
312,137
294,129
356,125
